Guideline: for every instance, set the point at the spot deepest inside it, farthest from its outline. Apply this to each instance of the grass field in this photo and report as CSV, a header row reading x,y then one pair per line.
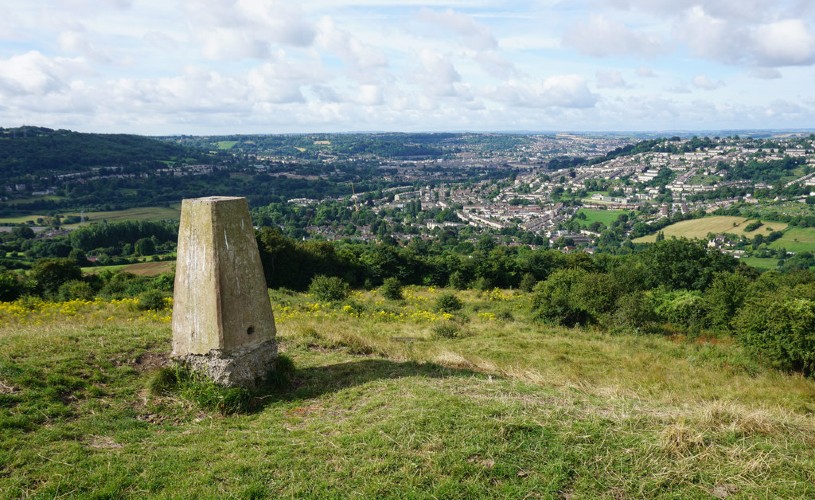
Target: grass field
x,y
699,228
606,217
226,145
141,213
797,239
760,263
382,407
140,269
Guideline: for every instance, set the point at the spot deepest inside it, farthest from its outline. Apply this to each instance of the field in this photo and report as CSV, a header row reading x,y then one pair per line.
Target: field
x,y
700,228
383,406
226,145
141,213
760,263
140,269
606,217
797,239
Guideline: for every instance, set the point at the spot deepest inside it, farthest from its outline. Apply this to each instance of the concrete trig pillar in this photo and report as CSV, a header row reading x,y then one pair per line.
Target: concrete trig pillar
x,y
223,326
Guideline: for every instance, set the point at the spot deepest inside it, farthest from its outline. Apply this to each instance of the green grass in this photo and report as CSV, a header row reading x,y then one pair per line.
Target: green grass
x,y
383,408
226,145
700,228
140,213
796,239
760,263
30,199
606,217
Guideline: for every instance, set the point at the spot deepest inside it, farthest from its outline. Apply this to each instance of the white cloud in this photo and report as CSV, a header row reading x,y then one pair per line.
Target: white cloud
x,y
246,28
705,83
600,36
270,65
611,79
358,55
765,73
480,44
646,72
565,91
33,73
784,43
473,35
437,74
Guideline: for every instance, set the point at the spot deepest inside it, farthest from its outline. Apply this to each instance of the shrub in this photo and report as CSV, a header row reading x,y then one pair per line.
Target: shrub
x,y
635,311
329,288
724,297
458,280
392,289
11,288
75,289
446,330
528,282
448,302
554,300
778,327
681,308
151,300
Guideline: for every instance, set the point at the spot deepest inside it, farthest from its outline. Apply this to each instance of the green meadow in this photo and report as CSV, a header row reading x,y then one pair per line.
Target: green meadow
x,y
391,398
140,213
606,217
796,239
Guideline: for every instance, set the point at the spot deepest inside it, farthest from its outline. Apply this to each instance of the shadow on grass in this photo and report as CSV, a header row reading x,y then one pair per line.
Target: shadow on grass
x,y
316,381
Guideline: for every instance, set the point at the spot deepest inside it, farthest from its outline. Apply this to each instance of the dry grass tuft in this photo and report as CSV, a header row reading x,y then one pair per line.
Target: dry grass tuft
x,y
681,440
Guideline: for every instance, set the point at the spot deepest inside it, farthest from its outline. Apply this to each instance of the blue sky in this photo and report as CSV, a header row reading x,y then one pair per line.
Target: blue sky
x,y
263,66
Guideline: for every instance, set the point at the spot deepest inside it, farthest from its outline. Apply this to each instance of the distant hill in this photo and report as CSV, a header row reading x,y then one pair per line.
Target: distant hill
x,y
42,151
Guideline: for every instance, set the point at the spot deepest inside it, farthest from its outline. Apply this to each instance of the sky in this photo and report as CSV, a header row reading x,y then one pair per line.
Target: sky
x,y
209,67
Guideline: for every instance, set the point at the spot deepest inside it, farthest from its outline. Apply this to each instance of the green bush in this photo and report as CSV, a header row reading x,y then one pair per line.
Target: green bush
x,y
458,280
392,289
449,303
779,328
446,330
724,297
680,308
528,282
555,300
329,288
151,300
11,288
75,289
634,311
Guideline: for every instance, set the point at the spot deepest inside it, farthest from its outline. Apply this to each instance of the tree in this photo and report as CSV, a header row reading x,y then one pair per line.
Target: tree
x,y
50,274
724,297
684,264
145,246
10,287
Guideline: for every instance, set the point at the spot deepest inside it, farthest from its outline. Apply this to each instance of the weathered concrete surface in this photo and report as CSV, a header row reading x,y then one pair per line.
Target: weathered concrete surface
x,y
221,308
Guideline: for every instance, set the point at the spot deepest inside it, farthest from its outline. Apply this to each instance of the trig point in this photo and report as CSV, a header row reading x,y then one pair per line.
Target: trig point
x,y
223,325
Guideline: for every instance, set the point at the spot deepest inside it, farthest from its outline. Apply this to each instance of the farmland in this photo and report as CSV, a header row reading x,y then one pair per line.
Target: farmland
x,y
139,269
797,239
700,228
141,213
